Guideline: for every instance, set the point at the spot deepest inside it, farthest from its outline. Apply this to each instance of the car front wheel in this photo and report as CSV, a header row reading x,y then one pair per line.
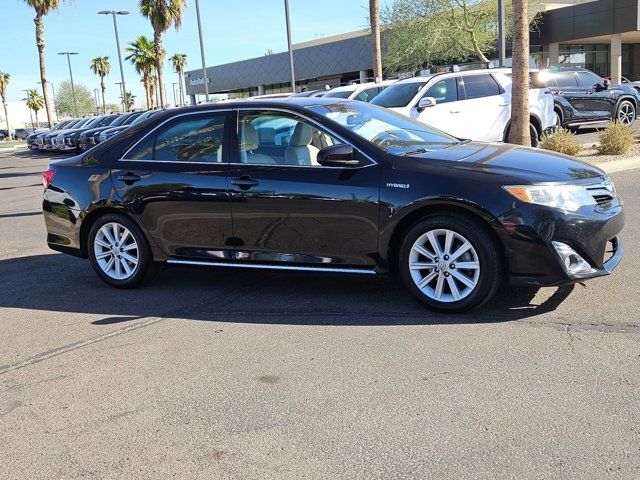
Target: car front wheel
x,y
119,252
626,113
450,263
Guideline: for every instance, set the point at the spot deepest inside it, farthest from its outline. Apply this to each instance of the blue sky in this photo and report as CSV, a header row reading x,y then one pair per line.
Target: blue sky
x,y
234,30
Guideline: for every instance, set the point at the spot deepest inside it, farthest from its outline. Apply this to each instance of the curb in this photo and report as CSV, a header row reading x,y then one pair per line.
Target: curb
x,y
619,165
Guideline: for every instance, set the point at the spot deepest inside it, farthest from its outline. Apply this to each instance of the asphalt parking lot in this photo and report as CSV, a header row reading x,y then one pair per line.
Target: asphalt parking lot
x,y
256,374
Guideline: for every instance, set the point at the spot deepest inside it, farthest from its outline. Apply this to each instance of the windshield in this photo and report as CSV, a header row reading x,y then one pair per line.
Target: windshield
x,y
339,94
144,116
398,95
386,129
120,119
131,118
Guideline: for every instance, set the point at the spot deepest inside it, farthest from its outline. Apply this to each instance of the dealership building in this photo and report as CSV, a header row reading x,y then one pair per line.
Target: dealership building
x,y
601,35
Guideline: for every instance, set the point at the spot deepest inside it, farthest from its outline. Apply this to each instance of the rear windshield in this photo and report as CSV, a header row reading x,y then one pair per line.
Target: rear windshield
x,y
339,94
398,95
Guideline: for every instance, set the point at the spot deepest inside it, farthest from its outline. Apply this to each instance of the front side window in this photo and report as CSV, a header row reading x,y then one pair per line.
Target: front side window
x,y
189,139
479,86
398,94
588,79
443,91
566,79
384,128
279,138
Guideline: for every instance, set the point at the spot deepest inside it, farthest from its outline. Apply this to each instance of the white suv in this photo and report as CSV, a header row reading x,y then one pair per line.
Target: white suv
x,y
473,104
365,92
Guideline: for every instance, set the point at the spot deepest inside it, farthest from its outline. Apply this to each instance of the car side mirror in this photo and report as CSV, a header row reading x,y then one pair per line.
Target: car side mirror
x,y
426,102
341,155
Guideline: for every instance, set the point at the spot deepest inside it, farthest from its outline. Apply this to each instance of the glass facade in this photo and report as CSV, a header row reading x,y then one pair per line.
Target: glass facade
x,y
595,57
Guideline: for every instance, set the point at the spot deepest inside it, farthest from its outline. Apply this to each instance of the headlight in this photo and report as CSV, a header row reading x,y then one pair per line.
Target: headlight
x,y
565,197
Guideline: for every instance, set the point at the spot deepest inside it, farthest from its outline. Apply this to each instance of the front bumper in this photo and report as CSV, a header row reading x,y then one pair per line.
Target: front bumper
x,y
593,232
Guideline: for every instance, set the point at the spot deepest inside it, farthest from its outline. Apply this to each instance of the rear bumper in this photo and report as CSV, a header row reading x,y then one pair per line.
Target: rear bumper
x,y
593,232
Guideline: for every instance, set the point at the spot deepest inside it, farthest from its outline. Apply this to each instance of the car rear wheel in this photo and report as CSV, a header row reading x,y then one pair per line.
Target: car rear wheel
x,y
533,133
119,252
626,113
450,263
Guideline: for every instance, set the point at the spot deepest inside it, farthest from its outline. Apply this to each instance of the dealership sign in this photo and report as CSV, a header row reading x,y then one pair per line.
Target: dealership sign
x,y
198,81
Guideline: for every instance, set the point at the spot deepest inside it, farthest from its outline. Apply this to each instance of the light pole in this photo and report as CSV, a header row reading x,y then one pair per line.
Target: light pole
x,y
73,88
293,75
113,13
204,63
501,40
95,98
175,97
55,102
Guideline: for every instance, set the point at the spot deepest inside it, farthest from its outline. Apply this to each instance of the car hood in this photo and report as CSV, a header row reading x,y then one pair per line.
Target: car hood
x,y
522,164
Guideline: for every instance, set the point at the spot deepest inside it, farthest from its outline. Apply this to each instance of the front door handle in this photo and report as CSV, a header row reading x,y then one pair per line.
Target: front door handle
x,y
245,182
503,105
129,178
454,111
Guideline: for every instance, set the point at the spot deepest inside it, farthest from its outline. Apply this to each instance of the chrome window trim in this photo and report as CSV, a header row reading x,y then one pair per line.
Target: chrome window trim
x,y
173,117
318,124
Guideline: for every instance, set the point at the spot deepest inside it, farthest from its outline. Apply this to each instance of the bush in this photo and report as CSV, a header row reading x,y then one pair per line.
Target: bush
x,y
561,141
616,139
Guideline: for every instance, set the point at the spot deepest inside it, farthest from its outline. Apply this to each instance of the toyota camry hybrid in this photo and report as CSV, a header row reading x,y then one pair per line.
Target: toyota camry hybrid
x,y
332,185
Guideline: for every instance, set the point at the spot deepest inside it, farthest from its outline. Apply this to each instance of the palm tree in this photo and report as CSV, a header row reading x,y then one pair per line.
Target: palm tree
x,y
374,19
101,67
42,8
143,58
162,14
35,103
179,61
129,100
4,83
519,132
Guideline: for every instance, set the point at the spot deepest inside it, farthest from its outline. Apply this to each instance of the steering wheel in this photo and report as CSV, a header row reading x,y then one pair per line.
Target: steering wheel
x,y
390,137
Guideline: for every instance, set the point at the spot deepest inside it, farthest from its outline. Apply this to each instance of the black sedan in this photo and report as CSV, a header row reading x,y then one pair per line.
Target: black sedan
x,y
331,185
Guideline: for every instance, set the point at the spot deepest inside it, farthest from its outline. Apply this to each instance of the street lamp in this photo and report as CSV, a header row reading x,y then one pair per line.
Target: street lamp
x,y
122,94
204,64
501,39
73,88
113,13
96,99
293,75
175,98
55,102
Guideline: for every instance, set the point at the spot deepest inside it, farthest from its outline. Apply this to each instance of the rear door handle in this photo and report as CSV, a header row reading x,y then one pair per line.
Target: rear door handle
x,y
129,178
245,182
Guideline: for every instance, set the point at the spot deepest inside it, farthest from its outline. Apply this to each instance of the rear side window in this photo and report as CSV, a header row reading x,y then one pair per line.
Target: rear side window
x,y
443,91
478,86
566,79
189,139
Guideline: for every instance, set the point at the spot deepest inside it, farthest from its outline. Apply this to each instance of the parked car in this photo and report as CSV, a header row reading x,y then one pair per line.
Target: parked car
x,y
355,189
311,93
113,131
22,133
365,92
471,104
46,141
88,137
581,97
32,139
3,134
624,81
69,140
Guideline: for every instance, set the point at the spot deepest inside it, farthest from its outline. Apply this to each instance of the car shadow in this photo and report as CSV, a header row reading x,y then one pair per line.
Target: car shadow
x,y
59,283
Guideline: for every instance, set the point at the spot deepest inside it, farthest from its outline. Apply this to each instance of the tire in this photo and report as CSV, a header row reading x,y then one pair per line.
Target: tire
x,y
533,133
135,246
484,252
626,112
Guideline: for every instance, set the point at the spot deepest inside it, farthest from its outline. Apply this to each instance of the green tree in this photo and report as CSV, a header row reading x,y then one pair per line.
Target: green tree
x,y
130,100
100,66
179,61
162,14
43,8
421,32
4,83
142,56
84,97
35,102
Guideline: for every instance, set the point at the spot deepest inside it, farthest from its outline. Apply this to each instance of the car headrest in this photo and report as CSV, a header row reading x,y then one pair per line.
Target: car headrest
x,y
301,136
249,137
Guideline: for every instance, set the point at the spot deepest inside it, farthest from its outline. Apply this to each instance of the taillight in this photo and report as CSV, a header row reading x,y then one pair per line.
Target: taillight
x,y
47,177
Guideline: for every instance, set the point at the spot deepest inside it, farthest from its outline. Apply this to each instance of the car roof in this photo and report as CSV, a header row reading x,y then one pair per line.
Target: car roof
x,y
354,86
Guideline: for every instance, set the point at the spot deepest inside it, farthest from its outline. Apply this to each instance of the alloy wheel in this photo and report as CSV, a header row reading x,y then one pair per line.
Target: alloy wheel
x,y
626,113
116,251
444,265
